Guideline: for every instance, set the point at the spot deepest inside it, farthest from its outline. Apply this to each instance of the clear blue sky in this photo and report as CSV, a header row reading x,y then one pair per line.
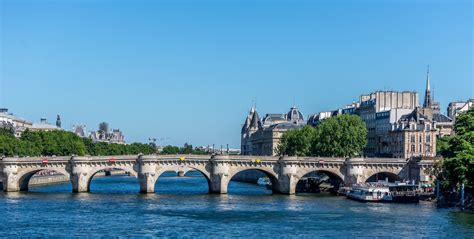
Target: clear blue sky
x,y
189,70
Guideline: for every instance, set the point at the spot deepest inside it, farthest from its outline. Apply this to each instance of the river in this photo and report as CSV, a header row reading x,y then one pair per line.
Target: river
x,y
181,207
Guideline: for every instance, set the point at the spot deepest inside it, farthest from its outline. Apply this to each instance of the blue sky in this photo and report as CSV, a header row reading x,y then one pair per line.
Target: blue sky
x,y
189,70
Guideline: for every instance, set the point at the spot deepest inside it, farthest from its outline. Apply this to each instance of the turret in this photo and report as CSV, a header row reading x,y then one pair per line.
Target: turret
x,y
58,121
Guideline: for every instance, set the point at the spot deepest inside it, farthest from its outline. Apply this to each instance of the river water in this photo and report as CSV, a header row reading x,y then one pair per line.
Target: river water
x,y
181,207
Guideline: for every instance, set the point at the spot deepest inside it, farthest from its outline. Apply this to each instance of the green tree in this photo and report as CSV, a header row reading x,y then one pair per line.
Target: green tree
x,y
297,142
458,162
6,129
340,136
442,146
170,150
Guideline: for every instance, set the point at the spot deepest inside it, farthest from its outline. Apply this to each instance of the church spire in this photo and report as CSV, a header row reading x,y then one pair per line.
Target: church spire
x,y
427,102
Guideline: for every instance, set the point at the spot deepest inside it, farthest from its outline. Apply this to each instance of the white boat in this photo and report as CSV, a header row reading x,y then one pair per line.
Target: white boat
x,y
264,181
369,193
385,192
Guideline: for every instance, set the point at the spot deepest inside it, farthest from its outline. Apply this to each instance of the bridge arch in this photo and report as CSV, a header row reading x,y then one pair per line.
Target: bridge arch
x,y
182,171
93,172
383,175
336,178
273,177
25,176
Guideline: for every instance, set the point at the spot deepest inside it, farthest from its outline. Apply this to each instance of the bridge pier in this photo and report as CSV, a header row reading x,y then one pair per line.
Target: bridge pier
x,y
218,183
287,180
11,182
80,182
147,182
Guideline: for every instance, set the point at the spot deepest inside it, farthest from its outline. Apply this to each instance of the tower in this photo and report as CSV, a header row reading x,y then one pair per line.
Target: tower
x,y
58,121
427,102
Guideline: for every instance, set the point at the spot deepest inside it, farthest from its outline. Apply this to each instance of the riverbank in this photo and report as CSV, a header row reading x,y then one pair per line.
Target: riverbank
x,y
44,180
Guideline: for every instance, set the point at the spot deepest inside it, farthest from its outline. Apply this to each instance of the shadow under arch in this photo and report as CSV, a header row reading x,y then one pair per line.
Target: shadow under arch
x,y
174,181
317,181
252,176
25,177
384,176
116,172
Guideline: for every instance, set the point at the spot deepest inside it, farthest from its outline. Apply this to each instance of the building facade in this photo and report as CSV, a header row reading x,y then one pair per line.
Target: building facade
x,y
104,135
413,135
16,123
392,118
455,108
262,137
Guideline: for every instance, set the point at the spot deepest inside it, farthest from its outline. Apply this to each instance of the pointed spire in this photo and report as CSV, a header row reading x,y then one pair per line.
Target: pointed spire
x,y
427,102
255,123
428,78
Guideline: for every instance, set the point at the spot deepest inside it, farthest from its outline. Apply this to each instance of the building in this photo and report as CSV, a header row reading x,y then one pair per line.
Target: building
x,y
386,113
43,125
413,135
262,137
455,108
104,135
382,101
9,120
80,130
384,122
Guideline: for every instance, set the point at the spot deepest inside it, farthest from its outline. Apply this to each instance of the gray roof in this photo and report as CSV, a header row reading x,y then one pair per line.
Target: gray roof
x,y
294,114
12,117
44,126
441,118
270,118
255,122
286,126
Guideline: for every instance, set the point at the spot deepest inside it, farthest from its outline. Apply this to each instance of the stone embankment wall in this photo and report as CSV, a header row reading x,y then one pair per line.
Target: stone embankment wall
x,y
40,180
249,176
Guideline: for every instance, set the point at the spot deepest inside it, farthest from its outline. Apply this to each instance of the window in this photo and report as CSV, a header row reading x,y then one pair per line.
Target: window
x,y
420,139
413,138
412,148
428,139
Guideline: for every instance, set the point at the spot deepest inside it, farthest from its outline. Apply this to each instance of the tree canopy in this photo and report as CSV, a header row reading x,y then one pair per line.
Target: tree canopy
x,y
340,136
186,149
458,152
63,143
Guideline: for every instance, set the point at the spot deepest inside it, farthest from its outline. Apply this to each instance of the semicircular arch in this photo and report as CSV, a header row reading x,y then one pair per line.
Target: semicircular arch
x,y
383,175
24,176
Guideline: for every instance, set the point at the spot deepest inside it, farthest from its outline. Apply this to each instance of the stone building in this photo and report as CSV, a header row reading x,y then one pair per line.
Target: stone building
x,y
455,108
80,130
9,120
382,101
104,135
262,137
385,112
413,135
43,125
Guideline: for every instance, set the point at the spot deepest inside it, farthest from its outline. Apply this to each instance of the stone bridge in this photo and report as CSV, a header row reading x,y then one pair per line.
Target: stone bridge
x,y
284,172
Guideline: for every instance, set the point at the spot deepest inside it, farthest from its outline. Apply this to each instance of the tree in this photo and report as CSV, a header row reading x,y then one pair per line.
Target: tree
x,y
340,136
170,150
7,129
458,162
442,146
297,142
